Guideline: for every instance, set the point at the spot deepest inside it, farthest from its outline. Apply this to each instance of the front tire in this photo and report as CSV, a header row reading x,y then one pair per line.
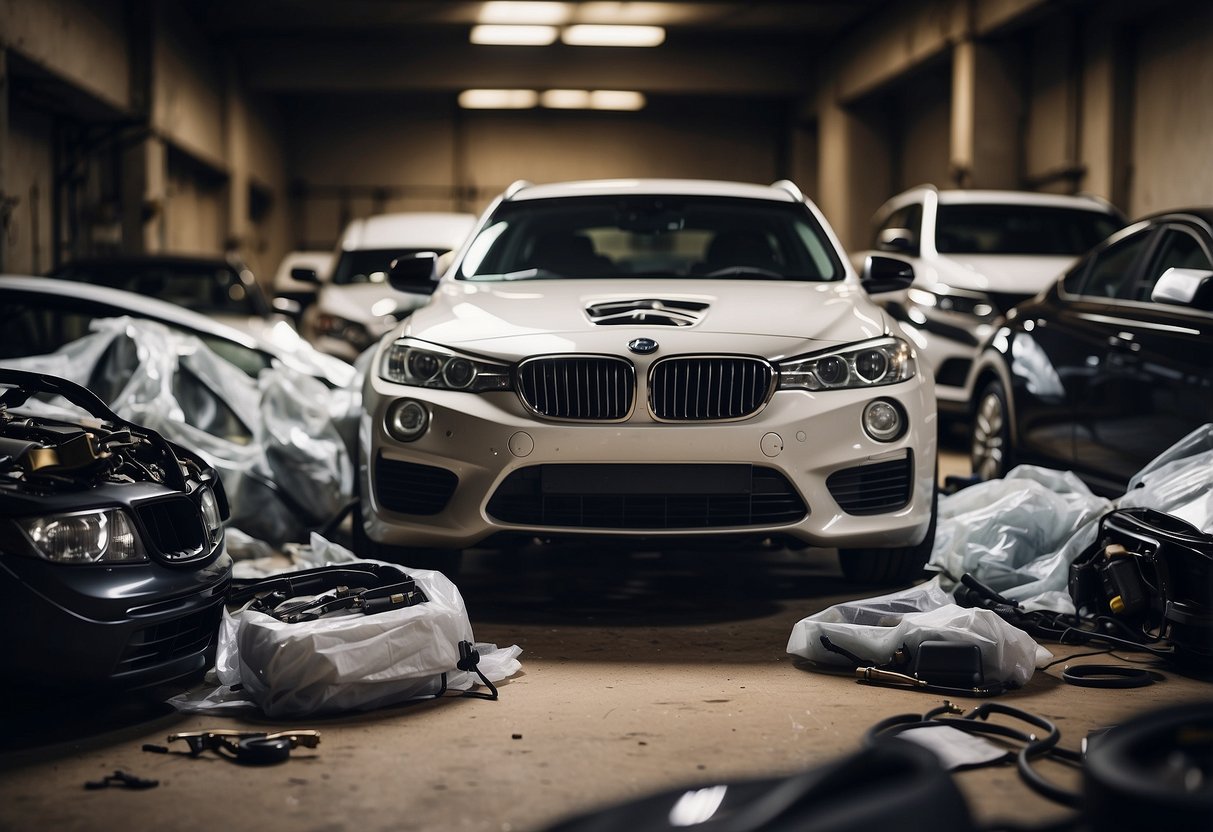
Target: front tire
x,y
890,567
990,451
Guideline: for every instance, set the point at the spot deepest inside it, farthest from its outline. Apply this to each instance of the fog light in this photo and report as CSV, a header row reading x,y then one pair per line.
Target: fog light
x,y
883,420
407,420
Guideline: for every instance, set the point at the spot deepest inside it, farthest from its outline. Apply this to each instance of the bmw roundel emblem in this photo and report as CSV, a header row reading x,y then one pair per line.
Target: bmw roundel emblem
x,y
642,346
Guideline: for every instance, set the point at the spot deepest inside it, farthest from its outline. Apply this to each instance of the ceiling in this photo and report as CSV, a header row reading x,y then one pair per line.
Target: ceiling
x,y
359,46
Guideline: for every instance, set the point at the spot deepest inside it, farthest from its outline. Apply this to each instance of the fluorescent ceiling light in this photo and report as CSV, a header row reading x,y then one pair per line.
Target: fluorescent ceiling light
x,y
616,100
566,99
515,13
498,99
592,35
514,35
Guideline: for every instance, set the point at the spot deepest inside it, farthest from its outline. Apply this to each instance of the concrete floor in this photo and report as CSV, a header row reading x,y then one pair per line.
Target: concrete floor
x,y
639,672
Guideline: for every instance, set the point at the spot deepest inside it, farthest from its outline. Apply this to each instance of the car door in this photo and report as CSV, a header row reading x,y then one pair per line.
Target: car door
x,y
1152,386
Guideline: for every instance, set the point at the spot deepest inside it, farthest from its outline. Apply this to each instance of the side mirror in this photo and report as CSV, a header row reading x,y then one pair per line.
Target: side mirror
x,y
304,275
415,273
1184,287
901,240
886,274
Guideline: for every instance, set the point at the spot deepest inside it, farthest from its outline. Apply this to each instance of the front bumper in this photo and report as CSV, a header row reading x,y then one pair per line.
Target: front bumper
x,y
124,626
804,437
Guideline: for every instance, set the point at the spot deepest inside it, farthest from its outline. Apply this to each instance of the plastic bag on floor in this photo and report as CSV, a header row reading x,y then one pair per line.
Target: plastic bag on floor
x,y
875,628
350,661
1178,481
258,434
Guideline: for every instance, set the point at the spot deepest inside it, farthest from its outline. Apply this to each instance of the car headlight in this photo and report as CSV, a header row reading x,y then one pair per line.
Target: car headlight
x,y
352,332
947,299
419,364
871,364
101,536
211,517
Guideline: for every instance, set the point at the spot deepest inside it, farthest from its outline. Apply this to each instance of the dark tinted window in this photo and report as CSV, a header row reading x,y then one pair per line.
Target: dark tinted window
x,y
651,236
1112,269
1019,229
370,265
209,288
909,217
1177,249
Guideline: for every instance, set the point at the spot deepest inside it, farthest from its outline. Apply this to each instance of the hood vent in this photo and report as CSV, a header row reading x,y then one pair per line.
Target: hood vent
x,y
648,312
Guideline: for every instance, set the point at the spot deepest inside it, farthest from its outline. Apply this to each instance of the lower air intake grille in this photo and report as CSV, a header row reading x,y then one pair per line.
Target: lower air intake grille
x,y
413,489
708,388
170,641
625,496
873,489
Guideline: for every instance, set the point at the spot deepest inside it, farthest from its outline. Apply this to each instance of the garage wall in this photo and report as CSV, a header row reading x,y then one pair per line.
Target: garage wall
x,y
30,173
1172,125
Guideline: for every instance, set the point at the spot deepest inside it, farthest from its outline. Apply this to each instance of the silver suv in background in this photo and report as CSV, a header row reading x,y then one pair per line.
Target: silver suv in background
x,y
355,305
975,255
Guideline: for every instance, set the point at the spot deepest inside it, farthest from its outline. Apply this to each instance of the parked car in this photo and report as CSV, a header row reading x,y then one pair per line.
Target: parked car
x,y
654,358
221,289
1111,365
39,315
355,305
113,567
975,255
302,292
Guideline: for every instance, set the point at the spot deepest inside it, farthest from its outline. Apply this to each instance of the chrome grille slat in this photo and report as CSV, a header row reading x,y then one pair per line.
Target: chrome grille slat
x,y
577,387
709,388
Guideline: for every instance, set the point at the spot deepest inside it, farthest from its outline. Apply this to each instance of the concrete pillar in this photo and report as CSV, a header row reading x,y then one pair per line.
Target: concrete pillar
x,y
854,171
236,141
986,114
6,202
144,193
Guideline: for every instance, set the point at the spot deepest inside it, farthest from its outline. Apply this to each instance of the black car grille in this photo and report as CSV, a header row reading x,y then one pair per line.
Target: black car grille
x,y
708,388
873,489
646,496
174,529
169,641
589,387
410,488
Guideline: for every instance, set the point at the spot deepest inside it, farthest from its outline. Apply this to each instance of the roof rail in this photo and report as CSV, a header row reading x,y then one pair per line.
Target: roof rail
x,y
516,186
789,186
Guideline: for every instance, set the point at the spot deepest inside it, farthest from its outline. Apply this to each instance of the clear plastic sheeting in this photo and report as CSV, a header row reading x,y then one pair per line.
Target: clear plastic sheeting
x,y
1016,534
284,464
1178,481
349,661
875,628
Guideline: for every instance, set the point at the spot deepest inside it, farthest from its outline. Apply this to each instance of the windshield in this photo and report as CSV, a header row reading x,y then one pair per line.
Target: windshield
x,y
209,288
1020,229
371,265
651,236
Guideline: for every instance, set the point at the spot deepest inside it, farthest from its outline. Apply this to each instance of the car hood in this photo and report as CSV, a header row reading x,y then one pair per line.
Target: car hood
x,y
1024,274
366,303
512,320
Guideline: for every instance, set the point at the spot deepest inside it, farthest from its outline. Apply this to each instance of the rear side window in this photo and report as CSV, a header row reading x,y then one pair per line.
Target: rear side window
x,y
1178,249
909,217
1112,269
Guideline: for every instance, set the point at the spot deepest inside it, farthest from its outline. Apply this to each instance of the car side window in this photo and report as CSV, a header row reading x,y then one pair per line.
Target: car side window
x,y
1178,249
909,217
1111,270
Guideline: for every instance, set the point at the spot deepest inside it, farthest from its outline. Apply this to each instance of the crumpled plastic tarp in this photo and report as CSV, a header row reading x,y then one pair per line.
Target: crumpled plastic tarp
x,y
347,662
284,464
875,628
1019,536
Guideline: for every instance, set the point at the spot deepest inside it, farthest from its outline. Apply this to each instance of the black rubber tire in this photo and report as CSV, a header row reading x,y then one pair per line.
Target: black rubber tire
x,y
890,567
990,451
447,561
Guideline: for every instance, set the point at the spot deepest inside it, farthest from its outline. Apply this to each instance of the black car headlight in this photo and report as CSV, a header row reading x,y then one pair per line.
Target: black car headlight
x,y
420,364
98,536
212,518
871,364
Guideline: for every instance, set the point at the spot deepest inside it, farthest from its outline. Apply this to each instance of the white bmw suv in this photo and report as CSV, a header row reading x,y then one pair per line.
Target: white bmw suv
x,y
976,254
651,358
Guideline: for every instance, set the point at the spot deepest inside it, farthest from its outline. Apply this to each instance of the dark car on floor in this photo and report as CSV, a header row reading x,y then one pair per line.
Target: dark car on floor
x,y
113,567
1109,366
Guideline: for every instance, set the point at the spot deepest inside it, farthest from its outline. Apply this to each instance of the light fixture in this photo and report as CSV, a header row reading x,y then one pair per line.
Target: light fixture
x,y
498,99
514,13
565,99
584,34
616,100
495,35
